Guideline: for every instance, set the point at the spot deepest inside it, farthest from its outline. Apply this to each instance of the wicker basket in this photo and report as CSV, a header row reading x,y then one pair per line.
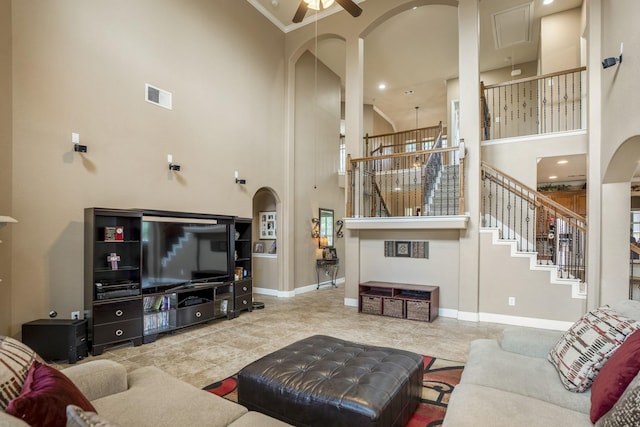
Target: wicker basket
x,y
393,307
371,305
418,310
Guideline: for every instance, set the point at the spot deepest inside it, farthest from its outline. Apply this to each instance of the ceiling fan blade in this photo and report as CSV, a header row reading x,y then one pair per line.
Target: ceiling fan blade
x,y
350,7
302,10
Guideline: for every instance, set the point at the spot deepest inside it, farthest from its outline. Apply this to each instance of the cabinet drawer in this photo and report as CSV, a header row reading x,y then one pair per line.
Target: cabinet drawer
x,y
195,314
118,311
243,302
243,288
117,331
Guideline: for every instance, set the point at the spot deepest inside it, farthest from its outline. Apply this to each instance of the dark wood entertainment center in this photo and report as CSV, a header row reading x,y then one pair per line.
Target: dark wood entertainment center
x,y
120,308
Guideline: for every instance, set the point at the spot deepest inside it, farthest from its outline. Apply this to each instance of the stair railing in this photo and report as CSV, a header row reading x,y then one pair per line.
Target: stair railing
x,y
634,269
553,102
535,222
398,184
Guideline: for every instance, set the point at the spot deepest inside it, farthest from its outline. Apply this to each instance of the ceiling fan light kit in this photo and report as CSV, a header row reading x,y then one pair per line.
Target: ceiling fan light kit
x,y
347,5
315,4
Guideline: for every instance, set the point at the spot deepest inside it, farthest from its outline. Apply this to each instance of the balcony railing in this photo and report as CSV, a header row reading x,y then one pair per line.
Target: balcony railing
x,y
532,106
406,141
536,223
410,183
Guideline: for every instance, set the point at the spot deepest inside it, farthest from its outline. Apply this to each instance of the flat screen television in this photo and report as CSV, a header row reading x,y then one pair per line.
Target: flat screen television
x,y
180,251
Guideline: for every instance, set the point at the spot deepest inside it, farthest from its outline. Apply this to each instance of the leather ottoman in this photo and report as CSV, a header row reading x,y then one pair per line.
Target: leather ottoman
x,y
325,381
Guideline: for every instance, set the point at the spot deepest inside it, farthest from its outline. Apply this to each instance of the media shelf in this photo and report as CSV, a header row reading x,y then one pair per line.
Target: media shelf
x,y
112,297
243,284
152,272
413,302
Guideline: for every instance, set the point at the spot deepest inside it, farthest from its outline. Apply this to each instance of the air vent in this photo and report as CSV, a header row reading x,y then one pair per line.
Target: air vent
x,y
512,26
157,96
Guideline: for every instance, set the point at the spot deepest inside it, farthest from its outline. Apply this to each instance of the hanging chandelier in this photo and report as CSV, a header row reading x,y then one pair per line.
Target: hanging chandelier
x,y
315,4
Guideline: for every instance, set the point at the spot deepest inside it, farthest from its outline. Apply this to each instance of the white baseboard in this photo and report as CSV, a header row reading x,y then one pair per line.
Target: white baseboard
x,y
556,325
351,302
467,316
296,291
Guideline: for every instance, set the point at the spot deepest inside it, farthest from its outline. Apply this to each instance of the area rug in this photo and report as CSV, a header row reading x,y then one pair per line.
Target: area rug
x,y
440,377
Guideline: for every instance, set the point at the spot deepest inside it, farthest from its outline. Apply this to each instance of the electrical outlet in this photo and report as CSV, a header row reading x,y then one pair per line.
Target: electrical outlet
x,y
75,315
512,300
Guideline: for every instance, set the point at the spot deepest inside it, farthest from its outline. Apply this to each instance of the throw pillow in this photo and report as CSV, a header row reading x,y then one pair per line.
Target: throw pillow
x,y
615,376
626,412
45,396
15,361
78,417
587,345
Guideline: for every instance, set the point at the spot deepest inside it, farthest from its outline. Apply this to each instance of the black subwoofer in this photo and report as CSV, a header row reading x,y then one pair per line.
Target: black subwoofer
x,y
57,339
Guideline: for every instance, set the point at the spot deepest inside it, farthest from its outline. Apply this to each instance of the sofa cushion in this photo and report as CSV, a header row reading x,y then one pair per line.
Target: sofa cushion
x,y
490,366
626,412
78,417
15,361
155,398
627,308
586,346
615,376
477,405
45,396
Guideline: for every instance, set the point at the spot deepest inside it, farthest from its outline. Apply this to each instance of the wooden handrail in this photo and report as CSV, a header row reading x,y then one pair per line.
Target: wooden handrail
x,y
540,77
540,199
406,153
437,127
634,248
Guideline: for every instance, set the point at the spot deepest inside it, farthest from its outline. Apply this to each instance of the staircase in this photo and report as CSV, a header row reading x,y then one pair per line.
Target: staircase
x,y
550,236
445,194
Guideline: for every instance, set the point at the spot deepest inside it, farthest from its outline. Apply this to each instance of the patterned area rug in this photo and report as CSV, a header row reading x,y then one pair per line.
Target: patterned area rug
x,y
440,377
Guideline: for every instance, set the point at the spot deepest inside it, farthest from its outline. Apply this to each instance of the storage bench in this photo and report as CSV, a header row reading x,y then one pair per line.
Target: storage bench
x,y
402,300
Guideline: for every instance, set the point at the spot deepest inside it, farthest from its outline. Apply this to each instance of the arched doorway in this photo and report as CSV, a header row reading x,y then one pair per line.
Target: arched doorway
x,y
266,223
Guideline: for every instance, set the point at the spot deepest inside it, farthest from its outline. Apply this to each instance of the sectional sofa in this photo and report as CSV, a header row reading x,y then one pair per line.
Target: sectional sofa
x,y
512,382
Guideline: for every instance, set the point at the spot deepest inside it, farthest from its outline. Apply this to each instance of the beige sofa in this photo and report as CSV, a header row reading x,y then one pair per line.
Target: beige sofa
x,y
149,397
511,382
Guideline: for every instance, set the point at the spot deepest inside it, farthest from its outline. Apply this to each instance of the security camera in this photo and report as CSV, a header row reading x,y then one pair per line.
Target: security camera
x,y
610,62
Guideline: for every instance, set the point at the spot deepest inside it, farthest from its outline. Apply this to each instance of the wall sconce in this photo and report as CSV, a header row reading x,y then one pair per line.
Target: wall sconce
x,y
239,180
172,166
315,230
75,138
610,62
339,232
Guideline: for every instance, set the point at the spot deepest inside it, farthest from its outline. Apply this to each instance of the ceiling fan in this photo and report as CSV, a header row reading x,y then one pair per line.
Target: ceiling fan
x,y
347,5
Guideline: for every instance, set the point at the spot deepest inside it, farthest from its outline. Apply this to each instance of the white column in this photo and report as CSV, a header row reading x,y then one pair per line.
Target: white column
x,y
469,75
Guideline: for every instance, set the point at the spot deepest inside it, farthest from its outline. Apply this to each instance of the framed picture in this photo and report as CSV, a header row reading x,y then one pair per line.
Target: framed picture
x,y
258,248
403,249
268,225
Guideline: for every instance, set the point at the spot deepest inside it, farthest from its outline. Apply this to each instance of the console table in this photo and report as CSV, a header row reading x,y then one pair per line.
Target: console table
x,y
329,266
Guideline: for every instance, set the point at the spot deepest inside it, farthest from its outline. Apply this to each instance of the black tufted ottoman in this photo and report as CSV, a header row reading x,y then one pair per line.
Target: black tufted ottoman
x,y
324,381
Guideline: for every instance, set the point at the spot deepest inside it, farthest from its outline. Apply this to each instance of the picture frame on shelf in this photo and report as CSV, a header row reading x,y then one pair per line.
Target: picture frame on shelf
x,y
258,248
268,225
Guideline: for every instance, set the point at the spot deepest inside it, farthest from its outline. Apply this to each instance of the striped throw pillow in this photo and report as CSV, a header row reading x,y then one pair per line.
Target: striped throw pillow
x,y
587,345
15,361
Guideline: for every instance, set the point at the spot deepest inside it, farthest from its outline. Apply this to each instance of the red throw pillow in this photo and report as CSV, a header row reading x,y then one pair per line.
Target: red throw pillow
x,y
44,398
615,376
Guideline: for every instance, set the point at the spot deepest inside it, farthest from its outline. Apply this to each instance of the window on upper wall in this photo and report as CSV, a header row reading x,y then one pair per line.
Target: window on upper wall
x,y
635,225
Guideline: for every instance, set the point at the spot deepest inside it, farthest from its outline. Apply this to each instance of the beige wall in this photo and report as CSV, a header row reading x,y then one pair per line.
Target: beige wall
x,y
440,269
6,126
560,41
619,151
81,67
317,129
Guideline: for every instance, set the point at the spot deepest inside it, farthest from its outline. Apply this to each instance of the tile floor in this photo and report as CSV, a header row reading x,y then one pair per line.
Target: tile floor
x,y
206,353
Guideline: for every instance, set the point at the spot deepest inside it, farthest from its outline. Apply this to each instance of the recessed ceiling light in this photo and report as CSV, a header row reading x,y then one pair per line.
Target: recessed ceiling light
x,y
382,86
547,2
563,162
553,177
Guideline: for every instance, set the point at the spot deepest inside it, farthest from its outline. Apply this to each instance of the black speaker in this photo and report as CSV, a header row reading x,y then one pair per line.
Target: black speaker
x,y
57,339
